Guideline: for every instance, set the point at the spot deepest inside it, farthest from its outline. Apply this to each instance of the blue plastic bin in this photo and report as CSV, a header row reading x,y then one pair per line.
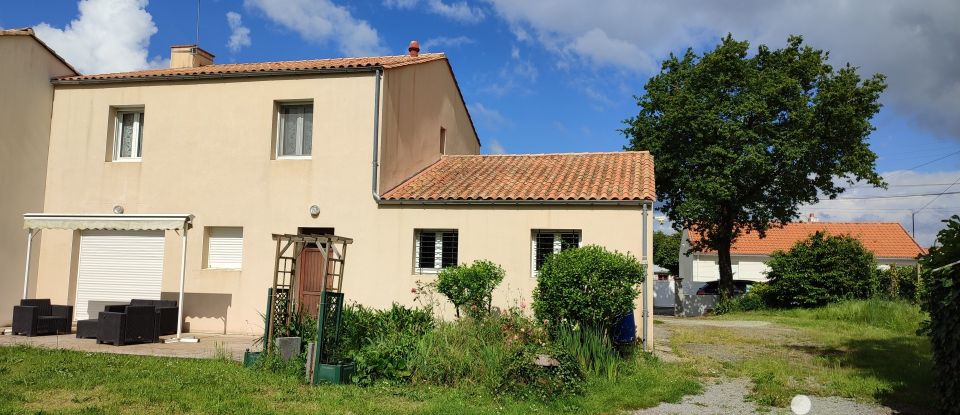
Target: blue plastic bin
x,y
625,331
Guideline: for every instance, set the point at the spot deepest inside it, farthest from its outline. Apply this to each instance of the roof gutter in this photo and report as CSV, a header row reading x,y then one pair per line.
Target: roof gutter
x,y
411,202
216,76
375,164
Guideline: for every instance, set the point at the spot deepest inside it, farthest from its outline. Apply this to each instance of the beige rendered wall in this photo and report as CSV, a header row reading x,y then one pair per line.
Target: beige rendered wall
x,y
207,151
26,98
418,100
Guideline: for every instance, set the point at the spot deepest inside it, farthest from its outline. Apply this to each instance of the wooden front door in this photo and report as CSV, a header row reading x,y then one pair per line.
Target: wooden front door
x,y
310,280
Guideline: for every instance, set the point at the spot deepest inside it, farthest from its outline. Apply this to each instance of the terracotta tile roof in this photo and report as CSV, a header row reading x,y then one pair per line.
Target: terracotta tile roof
x,y
27,31
884,239
619,176
292,67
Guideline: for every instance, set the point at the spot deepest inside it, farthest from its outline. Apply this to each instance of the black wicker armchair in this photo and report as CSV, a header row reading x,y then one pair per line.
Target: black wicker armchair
x,y
134,325
167,313
37,316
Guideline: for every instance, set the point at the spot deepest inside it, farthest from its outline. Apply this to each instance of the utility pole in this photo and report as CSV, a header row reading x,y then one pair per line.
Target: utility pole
x,y
913,224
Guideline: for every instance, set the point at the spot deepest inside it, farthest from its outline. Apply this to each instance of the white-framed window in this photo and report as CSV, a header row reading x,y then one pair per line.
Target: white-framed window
x,y
294,130
224,247
128,135
434,250
545,242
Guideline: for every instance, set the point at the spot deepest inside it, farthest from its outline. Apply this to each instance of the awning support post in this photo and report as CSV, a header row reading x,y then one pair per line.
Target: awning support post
x,y
180,305
26,267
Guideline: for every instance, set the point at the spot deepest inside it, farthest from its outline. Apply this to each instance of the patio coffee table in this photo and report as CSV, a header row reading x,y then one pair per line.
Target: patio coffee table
x,y
87,329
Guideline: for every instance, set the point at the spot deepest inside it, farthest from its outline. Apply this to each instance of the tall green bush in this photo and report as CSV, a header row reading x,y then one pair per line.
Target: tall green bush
x,y
470,288
820,270
898,283
942,301
589,285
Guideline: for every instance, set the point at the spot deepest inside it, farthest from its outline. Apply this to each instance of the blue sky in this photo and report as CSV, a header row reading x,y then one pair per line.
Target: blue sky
x,y
560,77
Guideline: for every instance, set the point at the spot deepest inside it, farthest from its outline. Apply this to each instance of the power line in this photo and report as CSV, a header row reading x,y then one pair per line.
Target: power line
x,y
865,186
934,160
878,209
893,196
941,194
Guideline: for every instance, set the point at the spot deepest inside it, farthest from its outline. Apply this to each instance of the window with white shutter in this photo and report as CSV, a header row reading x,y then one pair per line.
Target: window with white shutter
x,y
547,242
224,247
434,250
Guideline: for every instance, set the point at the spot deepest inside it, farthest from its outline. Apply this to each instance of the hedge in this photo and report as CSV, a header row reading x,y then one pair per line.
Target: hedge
x,y
942,301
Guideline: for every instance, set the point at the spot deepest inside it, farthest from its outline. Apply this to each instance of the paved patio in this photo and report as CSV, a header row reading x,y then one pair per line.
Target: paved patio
x,y
210,345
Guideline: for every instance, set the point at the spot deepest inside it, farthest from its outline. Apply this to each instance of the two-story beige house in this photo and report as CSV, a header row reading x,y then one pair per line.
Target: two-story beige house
x,y
378,149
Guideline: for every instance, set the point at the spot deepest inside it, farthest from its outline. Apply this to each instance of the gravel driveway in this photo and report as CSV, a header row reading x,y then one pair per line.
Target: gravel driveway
x,y
729,396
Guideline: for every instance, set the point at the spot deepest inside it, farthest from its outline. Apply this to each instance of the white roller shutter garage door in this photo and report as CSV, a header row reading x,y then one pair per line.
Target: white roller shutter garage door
x,y
117,266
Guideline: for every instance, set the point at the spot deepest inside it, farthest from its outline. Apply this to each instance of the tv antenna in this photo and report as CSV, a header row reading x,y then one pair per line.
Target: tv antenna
x,y
197,40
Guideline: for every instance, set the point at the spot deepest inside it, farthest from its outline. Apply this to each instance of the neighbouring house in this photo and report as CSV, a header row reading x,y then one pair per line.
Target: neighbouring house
x,y
26,102
378,149
664,288
889,242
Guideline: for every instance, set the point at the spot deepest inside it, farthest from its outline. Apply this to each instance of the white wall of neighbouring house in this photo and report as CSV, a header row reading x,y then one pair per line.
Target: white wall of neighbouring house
x,y
26,98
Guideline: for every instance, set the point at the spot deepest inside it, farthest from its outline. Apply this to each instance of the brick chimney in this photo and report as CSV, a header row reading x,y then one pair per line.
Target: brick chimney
x,y
189,56
414,48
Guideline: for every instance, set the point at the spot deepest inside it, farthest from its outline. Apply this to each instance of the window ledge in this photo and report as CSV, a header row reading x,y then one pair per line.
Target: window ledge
x,y
127,160
294,157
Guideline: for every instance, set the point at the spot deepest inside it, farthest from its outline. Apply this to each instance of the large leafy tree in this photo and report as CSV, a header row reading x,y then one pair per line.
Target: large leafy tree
x,y
740,141
666,251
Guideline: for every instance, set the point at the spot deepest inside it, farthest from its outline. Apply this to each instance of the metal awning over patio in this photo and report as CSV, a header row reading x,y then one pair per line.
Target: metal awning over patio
x,y
146,222
35,222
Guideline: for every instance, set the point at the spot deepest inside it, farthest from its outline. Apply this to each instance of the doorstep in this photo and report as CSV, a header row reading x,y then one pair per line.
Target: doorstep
x,y
6,331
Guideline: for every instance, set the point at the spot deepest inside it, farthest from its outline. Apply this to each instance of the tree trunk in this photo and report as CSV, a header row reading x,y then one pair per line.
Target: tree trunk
x,y
726,268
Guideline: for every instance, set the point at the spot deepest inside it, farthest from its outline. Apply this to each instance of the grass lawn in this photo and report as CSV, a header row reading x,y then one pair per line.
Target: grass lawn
x,y
865,350
36,380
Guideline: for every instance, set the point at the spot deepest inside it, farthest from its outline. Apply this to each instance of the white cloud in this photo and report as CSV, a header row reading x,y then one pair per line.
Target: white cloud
x,y
239,34
516,76
445,42
913,43
322,21
494,147
460,11
851,205
488,118
107,36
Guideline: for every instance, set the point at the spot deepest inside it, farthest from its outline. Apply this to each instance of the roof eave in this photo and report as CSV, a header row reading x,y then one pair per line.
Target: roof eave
x,y
288,72
516,202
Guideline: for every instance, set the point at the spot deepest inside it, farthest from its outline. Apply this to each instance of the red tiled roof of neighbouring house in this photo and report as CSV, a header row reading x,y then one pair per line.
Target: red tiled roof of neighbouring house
x,y
282,67
884,239
619,176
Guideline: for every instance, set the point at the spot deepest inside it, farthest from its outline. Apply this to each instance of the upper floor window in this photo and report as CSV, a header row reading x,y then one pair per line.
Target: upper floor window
x,y
128,135
546,242
295,130
435,250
